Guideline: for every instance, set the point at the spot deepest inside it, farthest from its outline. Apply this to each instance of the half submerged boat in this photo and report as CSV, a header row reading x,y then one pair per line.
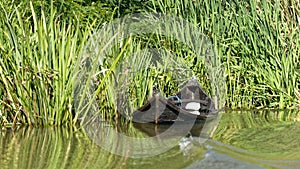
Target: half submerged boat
x,y
191,103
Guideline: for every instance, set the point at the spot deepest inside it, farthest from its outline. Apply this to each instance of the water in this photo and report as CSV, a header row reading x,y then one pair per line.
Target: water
x,y
241,140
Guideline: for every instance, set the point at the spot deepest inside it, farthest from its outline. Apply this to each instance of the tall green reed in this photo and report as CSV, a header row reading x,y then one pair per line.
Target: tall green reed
x,y
36,66
258,43
126,82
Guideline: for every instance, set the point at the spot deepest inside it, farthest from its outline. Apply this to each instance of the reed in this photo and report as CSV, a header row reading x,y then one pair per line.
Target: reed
x,y
257,40
37,58
41,41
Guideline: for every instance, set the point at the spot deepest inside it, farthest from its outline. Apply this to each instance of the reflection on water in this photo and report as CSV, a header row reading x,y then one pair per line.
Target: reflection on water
x,y
270,133
147,139
242,140
268,138
60,148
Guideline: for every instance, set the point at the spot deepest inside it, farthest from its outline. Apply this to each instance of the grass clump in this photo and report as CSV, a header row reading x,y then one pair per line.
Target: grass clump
x,y
259,43
37,58
41,41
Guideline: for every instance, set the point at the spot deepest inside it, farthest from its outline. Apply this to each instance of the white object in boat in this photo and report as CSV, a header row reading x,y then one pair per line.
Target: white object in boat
x,y
193,106
195,112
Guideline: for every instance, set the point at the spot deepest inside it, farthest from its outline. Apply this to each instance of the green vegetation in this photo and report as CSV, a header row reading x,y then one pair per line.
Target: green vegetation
x,y
41,44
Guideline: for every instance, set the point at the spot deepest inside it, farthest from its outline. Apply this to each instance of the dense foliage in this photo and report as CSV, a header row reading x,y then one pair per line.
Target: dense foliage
x,y
40,42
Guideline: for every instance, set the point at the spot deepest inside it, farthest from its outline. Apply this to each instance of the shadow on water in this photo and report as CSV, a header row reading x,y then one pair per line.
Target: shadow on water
x,y
264,139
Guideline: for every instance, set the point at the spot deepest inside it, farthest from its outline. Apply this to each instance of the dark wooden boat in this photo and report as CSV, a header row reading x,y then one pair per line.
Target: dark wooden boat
x,y
191,103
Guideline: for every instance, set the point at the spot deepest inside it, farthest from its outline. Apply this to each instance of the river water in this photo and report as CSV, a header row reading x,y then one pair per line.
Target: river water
x,y
243,139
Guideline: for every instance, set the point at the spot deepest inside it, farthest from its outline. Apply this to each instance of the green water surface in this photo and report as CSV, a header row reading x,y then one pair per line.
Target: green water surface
x,y
241,140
